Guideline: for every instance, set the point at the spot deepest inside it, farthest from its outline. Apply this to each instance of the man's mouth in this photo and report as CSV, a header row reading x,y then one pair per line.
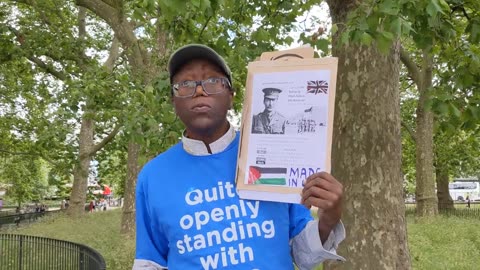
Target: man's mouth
x,y
201,108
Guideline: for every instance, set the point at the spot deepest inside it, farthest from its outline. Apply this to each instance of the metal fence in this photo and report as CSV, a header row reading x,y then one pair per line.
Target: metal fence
x,y
25,252
459,210
17,219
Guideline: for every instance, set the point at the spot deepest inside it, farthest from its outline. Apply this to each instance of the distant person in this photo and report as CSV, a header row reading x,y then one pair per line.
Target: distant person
x,y
269,121
91,207
468,201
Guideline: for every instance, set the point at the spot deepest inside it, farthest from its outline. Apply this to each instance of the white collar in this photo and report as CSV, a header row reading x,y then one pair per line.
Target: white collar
x,y
198,148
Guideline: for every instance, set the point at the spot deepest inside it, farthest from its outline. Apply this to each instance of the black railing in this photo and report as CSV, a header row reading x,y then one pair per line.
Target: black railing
x,y
17,219
458,210
25,252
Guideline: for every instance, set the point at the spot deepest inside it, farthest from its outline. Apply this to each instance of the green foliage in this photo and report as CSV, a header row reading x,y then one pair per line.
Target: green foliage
x,y
424,21
112,169
25,179
52,77
457,153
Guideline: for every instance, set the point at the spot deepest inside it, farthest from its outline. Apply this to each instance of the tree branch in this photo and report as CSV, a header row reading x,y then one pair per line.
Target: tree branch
x,y
82,33
411,67
30,154
205,26
123,29
427,68
113,3
103,10
48,68
105,140
113,55
409,130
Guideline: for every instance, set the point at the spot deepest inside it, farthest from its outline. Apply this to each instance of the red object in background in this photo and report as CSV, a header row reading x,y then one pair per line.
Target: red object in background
x,y
106,190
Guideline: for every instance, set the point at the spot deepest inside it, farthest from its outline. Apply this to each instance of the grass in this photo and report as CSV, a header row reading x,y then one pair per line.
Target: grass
x,y
438,243
444,243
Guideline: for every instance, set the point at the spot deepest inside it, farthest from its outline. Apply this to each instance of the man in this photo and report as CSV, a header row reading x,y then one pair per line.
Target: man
x,y
269,121
188,215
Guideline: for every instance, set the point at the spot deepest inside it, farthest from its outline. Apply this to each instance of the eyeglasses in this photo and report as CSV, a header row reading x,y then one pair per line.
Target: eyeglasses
x,y
211,86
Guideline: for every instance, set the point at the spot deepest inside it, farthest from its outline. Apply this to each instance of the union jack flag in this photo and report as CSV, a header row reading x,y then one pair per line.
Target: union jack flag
x,y
317,87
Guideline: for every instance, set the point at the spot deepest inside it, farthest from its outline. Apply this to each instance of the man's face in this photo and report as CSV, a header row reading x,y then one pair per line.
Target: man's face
x,y
202,113
270,104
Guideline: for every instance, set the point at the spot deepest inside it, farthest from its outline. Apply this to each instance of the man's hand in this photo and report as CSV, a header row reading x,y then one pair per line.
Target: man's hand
x,y
322,190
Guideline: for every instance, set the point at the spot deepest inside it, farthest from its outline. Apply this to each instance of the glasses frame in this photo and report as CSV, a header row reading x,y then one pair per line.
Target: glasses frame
x,y
175,86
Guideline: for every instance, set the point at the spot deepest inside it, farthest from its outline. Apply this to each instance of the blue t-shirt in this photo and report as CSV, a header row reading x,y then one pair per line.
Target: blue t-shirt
x,y
189,216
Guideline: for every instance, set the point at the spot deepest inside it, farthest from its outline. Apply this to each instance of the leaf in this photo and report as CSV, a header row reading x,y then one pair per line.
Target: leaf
x,y
366,39
195,3
389,7
149,89
322,44
454,110
396,26
334,29
433,8
442,107
289,40
474,29
384,41
474,112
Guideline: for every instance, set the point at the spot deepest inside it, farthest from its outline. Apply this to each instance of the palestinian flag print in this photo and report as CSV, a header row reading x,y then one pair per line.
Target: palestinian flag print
x,y
267,176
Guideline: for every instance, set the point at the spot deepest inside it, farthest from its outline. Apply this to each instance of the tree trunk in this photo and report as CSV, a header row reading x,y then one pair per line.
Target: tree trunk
x,y
128,212
425,182
80,171
366,153
144,71
444,199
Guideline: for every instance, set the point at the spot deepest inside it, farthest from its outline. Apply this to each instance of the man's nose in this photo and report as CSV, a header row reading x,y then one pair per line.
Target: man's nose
x,y
199,91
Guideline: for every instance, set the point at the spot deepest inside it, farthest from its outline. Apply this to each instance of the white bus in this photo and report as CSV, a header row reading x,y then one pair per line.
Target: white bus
x,y
461,188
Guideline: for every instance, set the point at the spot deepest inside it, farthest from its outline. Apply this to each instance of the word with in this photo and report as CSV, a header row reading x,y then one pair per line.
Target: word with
x,y
212,261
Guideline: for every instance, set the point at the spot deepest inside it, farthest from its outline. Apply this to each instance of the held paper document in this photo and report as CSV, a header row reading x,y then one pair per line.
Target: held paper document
x,y
286,131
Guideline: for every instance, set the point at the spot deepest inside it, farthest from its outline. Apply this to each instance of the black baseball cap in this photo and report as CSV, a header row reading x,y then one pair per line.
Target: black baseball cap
x,y
196,51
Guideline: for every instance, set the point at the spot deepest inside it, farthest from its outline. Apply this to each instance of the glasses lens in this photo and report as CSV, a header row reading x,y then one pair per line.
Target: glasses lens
x,y
185,88
214,85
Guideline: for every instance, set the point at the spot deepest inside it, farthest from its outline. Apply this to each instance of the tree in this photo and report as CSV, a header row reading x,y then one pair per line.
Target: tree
x,y
69,85
24,178
366,153
448,34
426,29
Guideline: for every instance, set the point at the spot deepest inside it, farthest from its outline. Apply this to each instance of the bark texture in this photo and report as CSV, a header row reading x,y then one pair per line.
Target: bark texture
x,y
80,171
424,177
366,153
128,214
444,199
425,180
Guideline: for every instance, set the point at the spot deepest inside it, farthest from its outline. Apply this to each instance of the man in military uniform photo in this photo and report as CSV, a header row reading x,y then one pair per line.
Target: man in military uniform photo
x,y
269,121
